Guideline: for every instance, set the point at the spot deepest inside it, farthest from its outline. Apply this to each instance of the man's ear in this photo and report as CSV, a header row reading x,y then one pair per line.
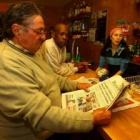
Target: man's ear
x,y
15,29
53,34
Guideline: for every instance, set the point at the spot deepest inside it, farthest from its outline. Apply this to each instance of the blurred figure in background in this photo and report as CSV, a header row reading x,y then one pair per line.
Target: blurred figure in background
x,y
115,54
53,51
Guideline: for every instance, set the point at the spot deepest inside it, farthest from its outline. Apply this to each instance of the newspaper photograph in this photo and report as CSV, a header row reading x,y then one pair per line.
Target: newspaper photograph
x,y
125,102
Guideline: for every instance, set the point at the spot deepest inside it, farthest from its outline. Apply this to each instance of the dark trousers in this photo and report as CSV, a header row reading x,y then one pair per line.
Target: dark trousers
x,y
92,135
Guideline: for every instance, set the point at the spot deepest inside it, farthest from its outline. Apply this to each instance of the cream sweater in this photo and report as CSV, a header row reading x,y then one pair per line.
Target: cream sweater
x,y
30,98
56,58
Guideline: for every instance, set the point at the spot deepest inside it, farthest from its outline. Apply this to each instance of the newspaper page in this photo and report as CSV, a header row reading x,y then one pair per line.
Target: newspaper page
x,y
100,95
88,80
125,102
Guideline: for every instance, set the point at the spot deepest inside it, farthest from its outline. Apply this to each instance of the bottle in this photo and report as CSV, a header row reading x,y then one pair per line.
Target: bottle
x,y
78,9
131,51
88,8
135,47
83,26
84,7
77,54
79,26
71,28
75,10
74,26
138,49
69,14
81,8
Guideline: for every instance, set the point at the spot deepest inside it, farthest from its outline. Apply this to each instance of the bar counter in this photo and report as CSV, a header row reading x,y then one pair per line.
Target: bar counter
x,y
125,125
89,74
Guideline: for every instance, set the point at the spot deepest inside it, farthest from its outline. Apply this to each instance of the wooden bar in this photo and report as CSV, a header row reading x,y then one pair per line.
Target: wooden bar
x,y
125,125
89,74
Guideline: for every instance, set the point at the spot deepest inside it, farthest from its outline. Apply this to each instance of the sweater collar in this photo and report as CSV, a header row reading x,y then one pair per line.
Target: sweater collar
x,y
18,47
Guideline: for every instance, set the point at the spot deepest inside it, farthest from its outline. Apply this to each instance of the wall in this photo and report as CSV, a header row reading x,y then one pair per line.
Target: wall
x,y
52,14
125,9
4,6
122,9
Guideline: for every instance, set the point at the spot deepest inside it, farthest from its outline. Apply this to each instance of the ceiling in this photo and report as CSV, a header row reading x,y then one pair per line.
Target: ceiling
x,y
44,2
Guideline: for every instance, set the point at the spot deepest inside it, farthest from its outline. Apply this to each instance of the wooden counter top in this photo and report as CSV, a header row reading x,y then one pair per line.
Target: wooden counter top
x,y
125,124
89,74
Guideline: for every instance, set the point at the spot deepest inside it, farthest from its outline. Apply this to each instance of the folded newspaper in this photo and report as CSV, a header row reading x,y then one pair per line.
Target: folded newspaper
x,y
102,94
124,102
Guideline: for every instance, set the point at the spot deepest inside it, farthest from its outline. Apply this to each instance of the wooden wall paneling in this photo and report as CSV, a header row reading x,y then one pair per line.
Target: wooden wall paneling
x,y
4,6
53,15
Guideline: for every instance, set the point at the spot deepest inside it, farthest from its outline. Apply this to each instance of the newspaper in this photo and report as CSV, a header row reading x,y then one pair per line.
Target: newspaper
x,y
124,102
102,94
88,80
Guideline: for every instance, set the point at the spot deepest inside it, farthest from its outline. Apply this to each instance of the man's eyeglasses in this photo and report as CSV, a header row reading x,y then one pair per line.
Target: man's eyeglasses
x,y
39,32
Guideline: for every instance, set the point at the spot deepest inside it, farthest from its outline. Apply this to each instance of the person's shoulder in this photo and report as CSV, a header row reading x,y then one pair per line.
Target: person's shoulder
x,y
48,43
125,51
125,47
106,48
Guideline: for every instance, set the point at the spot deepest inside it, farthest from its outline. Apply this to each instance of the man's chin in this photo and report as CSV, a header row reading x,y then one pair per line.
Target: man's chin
x,y
62,45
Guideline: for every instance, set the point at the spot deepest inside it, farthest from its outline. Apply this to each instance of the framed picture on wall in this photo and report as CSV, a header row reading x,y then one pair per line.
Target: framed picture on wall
x,y
92,35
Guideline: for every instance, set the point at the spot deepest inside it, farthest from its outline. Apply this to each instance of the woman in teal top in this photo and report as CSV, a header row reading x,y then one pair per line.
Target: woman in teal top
x,y
115,54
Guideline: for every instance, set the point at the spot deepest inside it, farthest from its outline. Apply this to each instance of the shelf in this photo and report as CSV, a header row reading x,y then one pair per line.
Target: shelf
x,y
80,16
136,32
82,33
79,25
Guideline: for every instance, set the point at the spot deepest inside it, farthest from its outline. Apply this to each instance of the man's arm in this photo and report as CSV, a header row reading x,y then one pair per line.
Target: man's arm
x,y
67,84
63,69
24,100
56,59
27,102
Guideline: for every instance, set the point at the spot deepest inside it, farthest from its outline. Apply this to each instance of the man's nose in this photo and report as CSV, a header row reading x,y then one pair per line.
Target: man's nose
x,y
65,37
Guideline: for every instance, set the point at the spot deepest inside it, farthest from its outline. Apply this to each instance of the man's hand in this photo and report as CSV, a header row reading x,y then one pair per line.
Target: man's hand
x,y
101,116
83,86
76,64
82,68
